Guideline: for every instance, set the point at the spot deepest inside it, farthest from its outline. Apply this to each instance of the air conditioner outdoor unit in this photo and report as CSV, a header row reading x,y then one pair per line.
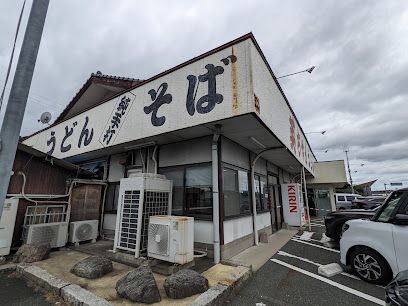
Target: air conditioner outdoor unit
x,y
140,196
53,233
7,222
83,230
171,238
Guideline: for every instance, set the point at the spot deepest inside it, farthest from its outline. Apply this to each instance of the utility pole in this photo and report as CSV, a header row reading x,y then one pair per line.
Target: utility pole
x,y
348,167
13,118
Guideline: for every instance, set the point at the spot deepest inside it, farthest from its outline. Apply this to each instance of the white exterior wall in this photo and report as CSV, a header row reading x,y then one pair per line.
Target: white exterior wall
x,y
186,152
203,231
109,222
232,84
263,220
274,111
116,170
237,228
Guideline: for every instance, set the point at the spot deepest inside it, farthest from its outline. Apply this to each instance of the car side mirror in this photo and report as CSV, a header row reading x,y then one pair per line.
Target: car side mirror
x,y
400,219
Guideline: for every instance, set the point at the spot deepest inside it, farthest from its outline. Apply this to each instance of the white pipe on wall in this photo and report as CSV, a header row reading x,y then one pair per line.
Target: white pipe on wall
x,y
254,216
154,158
216,202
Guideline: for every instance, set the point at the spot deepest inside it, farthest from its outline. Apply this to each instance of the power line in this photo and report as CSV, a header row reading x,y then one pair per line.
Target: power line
x,y
12,54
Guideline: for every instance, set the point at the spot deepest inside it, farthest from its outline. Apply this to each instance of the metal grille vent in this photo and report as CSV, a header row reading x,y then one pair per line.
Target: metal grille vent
x,y
84,232
45,234
159,239
155,204
128,226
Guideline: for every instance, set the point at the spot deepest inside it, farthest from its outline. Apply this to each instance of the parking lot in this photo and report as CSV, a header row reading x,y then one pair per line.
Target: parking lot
x,y
290,277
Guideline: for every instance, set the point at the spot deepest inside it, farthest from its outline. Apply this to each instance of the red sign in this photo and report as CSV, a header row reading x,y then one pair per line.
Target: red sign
x,y
293,206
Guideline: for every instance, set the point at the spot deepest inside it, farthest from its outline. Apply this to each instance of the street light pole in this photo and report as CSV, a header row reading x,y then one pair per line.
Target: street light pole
x,y
306,70
13,118
320,132
348,167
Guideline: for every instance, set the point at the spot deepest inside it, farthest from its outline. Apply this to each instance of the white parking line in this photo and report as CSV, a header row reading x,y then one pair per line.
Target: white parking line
x,y
282,253
317,224
317,220
315,245
330,282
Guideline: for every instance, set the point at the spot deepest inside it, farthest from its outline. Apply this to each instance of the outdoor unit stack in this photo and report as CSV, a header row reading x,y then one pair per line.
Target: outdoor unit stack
x,y
140,196
171,238
46,224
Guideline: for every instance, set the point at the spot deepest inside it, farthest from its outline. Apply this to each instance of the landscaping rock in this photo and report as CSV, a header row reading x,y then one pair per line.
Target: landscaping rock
x,y
92,267
139,286
28,253
185,283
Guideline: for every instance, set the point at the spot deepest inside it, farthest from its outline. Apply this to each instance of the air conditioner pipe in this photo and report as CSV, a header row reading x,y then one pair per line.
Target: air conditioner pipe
x,y
215,194
71,186
154,158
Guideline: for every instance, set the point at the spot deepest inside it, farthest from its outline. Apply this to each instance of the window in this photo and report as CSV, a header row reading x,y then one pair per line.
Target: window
x,y
112,197
389,207
260,193
97,167
177,176
341,198
350,198
192,189
199,190
236,192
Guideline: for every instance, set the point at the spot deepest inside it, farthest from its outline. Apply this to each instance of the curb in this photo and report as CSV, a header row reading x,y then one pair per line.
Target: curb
x,y
220,293
70,293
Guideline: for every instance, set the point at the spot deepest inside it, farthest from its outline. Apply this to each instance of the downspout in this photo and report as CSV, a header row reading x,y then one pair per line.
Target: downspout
x,y
215,194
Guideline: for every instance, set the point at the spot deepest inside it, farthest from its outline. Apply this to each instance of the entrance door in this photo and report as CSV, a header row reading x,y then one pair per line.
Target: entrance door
x,y
274,202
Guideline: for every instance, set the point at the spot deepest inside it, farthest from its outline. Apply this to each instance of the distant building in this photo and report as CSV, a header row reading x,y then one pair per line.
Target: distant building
x,y
364,188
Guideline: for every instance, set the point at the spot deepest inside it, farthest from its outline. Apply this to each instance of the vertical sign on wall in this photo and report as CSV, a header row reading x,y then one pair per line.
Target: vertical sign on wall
x,y
292,202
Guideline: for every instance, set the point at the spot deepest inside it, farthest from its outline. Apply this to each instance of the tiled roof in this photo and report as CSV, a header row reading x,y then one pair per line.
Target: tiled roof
x,y
98,78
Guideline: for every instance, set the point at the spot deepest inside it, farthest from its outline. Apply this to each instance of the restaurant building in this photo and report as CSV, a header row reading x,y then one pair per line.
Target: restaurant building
x,y
205,124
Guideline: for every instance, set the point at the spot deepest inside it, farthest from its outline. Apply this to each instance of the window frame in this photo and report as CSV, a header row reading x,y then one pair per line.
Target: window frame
x,y
401,202
183,168
265,207
113,211
237,169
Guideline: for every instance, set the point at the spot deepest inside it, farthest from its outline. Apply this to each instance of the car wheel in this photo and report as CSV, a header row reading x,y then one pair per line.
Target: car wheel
x,y
370,266
341,208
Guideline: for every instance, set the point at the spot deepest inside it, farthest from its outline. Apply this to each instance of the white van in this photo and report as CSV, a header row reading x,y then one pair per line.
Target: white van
x,y
343,200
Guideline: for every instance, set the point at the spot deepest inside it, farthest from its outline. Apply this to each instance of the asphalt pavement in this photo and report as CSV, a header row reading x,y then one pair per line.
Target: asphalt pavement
x,y
290,277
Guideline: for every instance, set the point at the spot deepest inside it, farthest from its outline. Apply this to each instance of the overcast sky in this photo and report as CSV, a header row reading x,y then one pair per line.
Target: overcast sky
x,y
358,92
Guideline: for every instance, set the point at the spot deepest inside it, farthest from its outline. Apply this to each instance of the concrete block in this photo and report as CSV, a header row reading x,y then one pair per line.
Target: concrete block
x,y
43,279
213,296
228,285
21,267
264,237
8,267
77,296
330,270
